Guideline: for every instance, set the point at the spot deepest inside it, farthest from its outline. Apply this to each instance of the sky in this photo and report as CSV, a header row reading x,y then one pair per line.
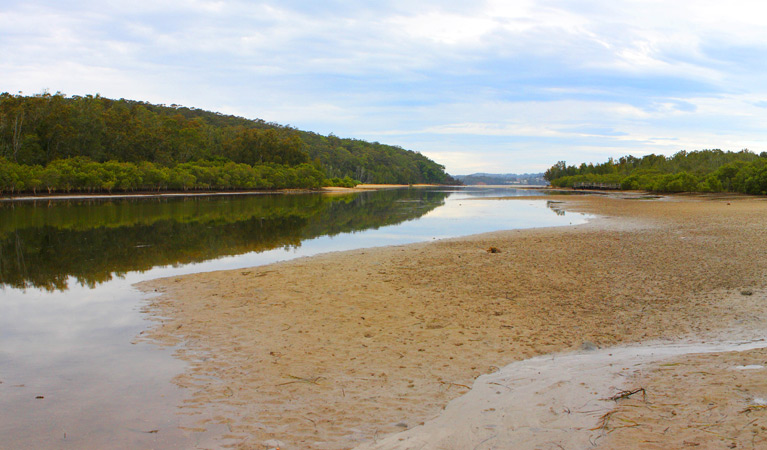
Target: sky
x,y
482,86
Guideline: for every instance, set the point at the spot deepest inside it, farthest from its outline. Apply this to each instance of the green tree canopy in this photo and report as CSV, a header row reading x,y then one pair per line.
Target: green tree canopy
x,y
41,129
697,171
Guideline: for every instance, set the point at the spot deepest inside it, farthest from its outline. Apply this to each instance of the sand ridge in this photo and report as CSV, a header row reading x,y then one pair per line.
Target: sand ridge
x,y
335,350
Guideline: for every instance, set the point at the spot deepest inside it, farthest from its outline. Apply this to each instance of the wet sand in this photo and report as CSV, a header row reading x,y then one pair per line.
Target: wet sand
x,y
341,349
569,401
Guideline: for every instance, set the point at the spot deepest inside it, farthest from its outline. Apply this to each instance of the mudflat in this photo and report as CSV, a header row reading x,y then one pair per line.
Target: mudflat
x,y
340,349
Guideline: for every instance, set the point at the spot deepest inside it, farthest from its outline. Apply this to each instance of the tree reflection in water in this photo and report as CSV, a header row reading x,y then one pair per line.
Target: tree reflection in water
x,y
43,243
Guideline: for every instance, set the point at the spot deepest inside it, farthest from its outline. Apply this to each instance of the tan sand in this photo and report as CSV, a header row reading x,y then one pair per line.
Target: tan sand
x,y
338,349
699,401
558,401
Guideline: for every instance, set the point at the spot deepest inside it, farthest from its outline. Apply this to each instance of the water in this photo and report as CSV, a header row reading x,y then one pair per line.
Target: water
x,y
72,374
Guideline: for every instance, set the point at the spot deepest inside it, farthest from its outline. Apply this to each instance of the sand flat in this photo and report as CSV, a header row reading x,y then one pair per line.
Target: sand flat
x,y
577,400
341,349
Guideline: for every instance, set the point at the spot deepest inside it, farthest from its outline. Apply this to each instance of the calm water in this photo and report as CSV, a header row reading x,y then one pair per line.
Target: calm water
x,y
71,375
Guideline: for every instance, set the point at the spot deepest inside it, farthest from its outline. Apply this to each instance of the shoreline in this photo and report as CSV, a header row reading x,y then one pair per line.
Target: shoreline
x,y
330,190
164,194
96,196
389,336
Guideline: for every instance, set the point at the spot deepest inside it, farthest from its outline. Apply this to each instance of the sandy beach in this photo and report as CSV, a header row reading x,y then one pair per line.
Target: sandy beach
x,y
344,349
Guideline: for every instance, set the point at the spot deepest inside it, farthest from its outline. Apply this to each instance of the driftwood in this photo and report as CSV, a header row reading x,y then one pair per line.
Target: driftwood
x,y
605,419
626,394
448,384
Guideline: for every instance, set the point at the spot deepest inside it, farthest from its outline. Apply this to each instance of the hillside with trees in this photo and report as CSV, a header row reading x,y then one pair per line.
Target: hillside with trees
x,y
95,144
697,171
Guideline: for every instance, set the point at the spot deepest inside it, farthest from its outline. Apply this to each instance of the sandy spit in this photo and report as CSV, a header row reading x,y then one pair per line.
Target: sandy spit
x,y
341,349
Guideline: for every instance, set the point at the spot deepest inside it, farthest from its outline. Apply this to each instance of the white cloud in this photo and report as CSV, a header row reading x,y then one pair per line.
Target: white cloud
x,y
445,28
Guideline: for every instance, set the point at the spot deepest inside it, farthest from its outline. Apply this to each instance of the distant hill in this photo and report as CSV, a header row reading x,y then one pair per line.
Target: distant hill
x,y
40,129
533,179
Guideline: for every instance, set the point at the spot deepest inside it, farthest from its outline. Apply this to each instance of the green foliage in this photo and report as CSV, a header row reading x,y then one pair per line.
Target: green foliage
x,y
346,182
677,182
699,171
372,162
80,174
43,129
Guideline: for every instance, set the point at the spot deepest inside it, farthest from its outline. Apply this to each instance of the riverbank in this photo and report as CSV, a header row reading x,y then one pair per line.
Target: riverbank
x,y
167,194
91,196
343,348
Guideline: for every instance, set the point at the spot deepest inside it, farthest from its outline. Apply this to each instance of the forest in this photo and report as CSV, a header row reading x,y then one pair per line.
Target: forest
x,y
55,143
697,171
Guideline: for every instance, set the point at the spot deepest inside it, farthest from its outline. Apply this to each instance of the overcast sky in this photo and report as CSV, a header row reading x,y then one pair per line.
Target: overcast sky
x,y
493,86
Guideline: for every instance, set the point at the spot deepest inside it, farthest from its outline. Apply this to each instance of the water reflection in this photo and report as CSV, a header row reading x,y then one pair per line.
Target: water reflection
x,y
43,244
556,207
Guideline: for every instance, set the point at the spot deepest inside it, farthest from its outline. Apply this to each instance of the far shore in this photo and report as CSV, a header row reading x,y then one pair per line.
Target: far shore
x,y
342,349
326,190
157,194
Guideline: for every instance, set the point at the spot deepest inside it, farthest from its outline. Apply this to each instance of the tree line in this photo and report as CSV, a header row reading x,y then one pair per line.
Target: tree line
x,y
44,129
83,175
697,171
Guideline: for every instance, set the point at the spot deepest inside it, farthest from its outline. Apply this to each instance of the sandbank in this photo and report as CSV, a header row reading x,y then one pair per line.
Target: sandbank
x,y
343,349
